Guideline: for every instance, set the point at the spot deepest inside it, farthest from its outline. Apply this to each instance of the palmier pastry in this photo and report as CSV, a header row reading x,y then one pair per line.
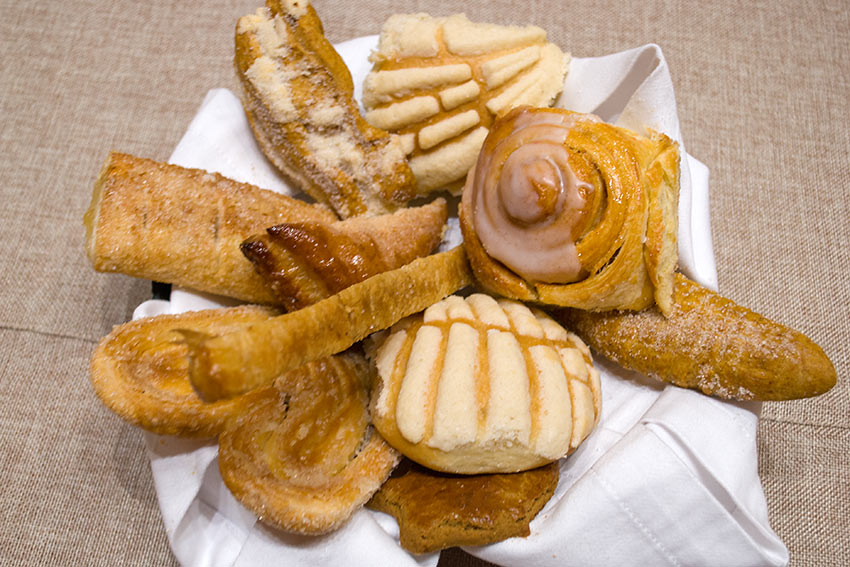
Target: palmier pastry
x,y
567,210
436,510
304,262
440,82
139,371
298,96
183,226
304,457
478,385
711,344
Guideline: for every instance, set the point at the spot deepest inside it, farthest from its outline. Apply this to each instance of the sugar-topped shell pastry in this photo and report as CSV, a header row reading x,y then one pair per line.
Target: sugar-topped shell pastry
x,y
479,385
440,82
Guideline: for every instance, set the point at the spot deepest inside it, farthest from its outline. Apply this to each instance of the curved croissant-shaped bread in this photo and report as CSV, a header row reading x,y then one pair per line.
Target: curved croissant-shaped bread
x,y
567,210
299,99
478,385
441,82
305,262
303,456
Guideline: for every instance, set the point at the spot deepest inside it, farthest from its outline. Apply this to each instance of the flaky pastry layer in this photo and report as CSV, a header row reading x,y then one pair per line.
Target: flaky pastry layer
x,y
140,372
303,457
305,262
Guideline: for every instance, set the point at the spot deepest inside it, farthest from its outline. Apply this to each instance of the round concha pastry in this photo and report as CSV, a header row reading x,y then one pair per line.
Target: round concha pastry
x,y
478,385
441,82
564,209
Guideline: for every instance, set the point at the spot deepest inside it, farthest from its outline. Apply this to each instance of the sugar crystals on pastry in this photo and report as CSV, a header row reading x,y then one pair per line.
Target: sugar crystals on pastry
x,y
303,456
440,82
299,99
183,226
479,385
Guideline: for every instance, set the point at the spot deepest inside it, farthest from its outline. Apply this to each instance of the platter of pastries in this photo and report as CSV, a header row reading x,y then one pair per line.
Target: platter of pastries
x,y
464,273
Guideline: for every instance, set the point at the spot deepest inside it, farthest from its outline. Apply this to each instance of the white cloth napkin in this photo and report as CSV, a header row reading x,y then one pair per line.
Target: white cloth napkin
x,y
669,476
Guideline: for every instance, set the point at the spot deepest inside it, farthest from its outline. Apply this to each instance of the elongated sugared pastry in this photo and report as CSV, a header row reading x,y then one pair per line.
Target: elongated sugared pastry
x,y
233,363
711,344
304,457
478,385
305,262
566,210
437,510
139,371
183,226
440,82
298,96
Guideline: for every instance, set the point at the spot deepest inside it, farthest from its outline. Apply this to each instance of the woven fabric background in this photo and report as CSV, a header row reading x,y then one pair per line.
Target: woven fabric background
x,y
763,97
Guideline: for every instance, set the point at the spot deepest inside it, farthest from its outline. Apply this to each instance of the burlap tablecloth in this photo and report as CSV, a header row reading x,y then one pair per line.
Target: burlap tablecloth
x,y
763,98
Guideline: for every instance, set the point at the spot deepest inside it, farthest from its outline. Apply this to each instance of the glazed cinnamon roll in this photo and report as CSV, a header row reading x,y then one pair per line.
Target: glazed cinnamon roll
x,y
564,209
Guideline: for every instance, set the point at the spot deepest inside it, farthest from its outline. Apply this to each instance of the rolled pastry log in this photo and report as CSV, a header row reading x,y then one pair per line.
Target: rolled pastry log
x,y
183,226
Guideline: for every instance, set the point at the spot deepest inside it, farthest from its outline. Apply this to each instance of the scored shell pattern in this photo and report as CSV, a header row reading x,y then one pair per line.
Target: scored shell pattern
x,y
440,83
488,372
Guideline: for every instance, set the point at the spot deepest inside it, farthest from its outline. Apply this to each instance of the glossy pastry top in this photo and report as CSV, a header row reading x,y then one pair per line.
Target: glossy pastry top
x,y
564,209
528,205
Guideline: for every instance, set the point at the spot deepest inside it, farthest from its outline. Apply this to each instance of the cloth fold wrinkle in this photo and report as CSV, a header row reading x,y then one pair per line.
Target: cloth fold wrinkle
x,y
637,462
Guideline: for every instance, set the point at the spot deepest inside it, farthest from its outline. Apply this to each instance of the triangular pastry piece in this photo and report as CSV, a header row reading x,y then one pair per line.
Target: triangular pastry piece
x,y
440,83
304,262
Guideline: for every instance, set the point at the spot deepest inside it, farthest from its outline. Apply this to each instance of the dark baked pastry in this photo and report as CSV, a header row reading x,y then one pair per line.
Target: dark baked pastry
x,y
437,510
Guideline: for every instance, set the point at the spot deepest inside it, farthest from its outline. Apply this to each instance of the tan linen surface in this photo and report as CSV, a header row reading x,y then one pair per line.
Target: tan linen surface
x,y
763,97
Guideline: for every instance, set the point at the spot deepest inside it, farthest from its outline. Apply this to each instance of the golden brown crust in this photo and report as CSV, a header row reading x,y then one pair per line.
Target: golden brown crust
x,y
139,371
233,363
303,456
298,96
305,262
711,344
626,241
437,510
183,226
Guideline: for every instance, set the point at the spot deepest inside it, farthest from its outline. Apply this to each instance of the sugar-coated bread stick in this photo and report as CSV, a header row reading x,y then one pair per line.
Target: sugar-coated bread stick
x,y
711,344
